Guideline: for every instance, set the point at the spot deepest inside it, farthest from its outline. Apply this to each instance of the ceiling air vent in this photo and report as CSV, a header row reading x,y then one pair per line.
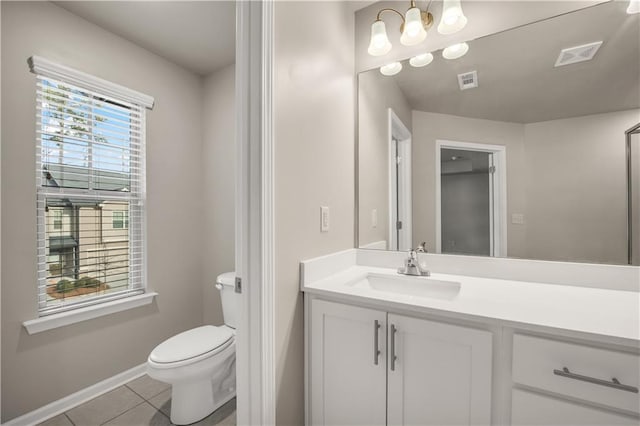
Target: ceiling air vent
x,y
468,80
571,55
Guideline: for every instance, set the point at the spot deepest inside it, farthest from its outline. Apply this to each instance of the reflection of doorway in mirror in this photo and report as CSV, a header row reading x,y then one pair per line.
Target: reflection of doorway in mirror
x,y
400,216
634,196
471,207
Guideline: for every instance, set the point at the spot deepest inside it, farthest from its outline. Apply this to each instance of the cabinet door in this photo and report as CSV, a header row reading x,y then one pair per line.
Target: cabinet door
x,y
529,408
441,374
347,378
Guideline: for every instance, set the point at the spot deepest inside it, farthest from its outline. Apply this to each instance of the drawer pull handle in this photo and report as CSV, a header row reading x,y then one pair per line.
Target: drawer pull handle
x,y
376,351
614,383
393,356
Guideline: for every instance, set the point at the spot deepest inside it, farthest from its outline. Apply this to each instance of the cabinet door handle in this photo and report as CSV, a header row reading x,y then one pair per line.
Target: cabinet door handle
x,y
376,351
393,357
614,383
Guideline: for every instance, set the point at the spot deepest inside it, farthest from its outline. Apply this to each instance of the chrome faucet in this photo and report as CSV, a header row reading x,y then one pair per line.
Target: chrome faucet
x,y
412,265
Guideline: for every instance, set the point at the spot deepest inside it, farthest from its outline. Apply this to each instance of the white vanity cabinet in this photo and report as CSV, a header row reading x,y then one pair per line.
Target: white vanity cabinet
x,y
565,383
347,377
441,374
373,367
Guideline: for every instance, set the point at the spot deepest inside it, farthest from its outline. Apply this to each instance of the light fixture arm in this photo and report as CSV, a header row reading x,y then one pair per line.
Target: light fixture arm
x,y
427,17
388,9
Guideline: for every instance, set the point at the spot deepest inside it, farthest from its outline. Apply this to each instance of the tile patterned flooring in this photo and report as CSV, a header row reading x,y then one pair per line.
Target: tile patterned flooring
x,y
141,402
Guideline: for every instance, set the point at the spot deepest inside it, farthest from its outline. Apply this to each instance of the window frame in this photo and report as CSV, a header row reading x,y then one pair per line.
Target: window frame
x,y
57,220
136,197
123,220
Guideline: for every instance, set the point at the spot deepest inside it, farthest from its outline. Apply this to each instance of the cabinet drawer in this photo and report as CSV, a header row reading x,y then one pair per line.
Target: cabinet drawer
x,y
528,408
568,368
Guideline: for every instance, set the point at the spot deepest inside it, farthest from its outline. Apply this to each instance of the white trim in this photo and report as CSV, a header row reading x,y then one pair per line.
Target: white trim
x,y
405,207
70,401
62,319
397,129
47,68
499,225
268,221
255,354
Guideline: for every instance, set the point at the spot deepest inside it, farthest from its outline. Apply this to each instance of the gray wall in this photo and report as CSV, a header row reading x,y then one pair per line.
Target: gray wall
x,y
576,188
44,367
376,93
464,233
218,167
314,94
429,127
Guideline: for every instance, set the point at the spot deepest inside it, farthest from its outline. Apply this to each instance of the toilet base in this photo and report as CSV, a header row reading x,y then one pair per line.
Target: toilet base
x,y
192,402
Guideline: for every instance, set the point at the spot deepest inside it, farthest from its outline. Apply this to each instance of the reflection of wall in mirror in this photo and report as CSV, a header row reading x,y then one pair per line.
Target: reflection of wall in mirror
x,y
376,94
573,204
576,191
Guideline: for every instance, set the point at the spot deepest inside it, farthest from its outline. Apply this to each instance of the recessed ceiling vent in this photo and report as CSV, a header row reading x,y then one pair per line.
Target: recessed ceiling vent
x,y
468,80
572,55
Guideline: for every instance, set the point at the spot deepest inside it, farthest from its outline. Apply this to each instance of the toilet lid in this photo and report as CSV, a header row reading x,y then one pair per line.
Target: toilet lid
x,y
191,343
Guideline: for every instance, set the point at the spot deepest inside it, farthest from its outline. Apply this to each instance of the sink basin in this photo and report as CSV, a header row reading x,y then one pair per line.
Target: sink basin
x,y
408,285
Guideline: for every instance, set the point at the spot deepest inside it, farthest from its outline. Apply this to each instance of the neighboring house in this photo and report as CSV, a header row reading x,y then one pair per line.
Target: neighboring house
x,y
87,237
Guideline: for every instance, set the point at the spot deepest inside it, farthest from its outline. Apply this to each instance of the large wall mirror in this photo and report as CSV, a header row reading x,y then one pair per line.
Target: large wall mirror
x,y
532,163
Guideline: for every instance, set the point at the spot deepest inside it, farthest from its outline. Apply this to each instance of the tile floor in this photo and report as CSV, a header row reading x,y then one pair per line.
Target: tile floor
x,y
141,402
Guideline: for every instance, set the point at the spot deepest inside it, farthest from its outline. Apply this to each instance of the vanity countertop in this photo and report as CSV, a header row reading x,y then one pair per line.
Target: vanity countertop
x,y
595,311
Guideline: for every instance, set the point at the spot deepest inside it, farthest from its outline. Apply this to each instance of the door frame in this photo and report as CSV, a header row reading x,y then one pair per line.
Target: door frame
x,y
397,130
631,255
254,204
498,227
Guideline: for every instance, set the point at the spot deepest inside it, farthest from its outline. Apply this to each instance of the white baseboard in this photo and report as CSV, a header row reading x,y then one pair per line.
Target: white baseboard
x,y
68,402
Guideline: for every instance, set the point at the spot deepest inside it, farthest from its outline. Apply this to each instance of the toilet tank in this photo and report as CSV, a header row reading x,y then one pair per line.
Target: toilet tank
x,y
230,299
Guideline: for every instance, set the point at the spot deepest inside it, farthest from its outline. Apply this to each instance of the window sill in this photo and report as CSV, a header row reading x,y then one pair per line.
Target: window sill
x,y
82,314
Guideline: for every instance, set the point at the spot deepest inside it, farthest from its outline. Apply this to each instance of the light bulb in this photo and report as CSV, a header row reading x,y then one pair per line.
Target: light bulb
x,y
455,51
421,60
414,31
379,44
391,69
634,7
453,20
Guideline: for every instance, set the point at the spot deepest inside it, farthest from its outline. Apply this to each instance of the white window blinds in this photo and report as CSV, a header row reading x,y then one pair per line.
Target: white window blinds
x,y
90,178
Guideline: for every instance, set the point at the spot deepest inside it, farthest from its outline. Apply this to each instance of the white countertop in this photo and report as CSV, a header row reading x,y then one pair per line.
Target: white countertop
x,y
603,312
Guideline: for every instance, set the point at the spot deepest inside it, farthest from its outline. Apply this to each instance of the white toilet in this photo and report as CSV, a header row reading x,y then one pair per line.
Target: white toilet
x,y
200,363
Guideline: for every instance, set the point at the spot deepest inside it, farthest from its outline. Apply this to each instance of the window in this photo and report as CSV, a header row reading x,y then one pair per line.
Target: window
x,y
90,172
57,219
120,220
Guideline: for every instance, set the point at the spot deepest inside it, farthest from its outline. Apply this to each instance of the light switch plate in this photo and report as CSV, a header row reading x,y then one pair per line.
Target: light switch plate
x,y
324,219
517,219
374,218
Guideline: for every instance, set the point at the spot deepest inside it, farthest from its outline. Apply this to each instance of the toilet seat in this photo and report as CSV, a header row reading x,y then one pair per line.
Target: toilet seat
x,y
191,346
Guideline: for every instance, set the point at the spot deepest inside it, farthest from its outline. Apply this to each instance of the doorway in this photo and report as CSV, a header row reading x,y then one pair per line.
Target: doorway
x,y
633,194
400,215
470,199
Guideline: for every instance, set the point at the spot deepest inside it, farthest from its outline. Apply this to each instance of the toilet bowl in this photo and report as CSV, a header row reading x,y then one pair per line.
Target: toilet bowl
x,y
199,364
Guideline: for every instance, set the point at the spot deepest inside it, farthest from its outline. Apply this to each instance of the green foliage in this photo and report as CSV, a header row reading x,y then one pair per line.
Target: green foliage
x,y
64,286
87,282
72,119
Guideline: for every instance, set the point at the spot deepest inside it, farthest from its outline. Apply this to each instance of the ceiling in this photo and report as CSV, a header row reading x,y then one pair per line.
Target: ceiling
x,y
517,78
197,35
